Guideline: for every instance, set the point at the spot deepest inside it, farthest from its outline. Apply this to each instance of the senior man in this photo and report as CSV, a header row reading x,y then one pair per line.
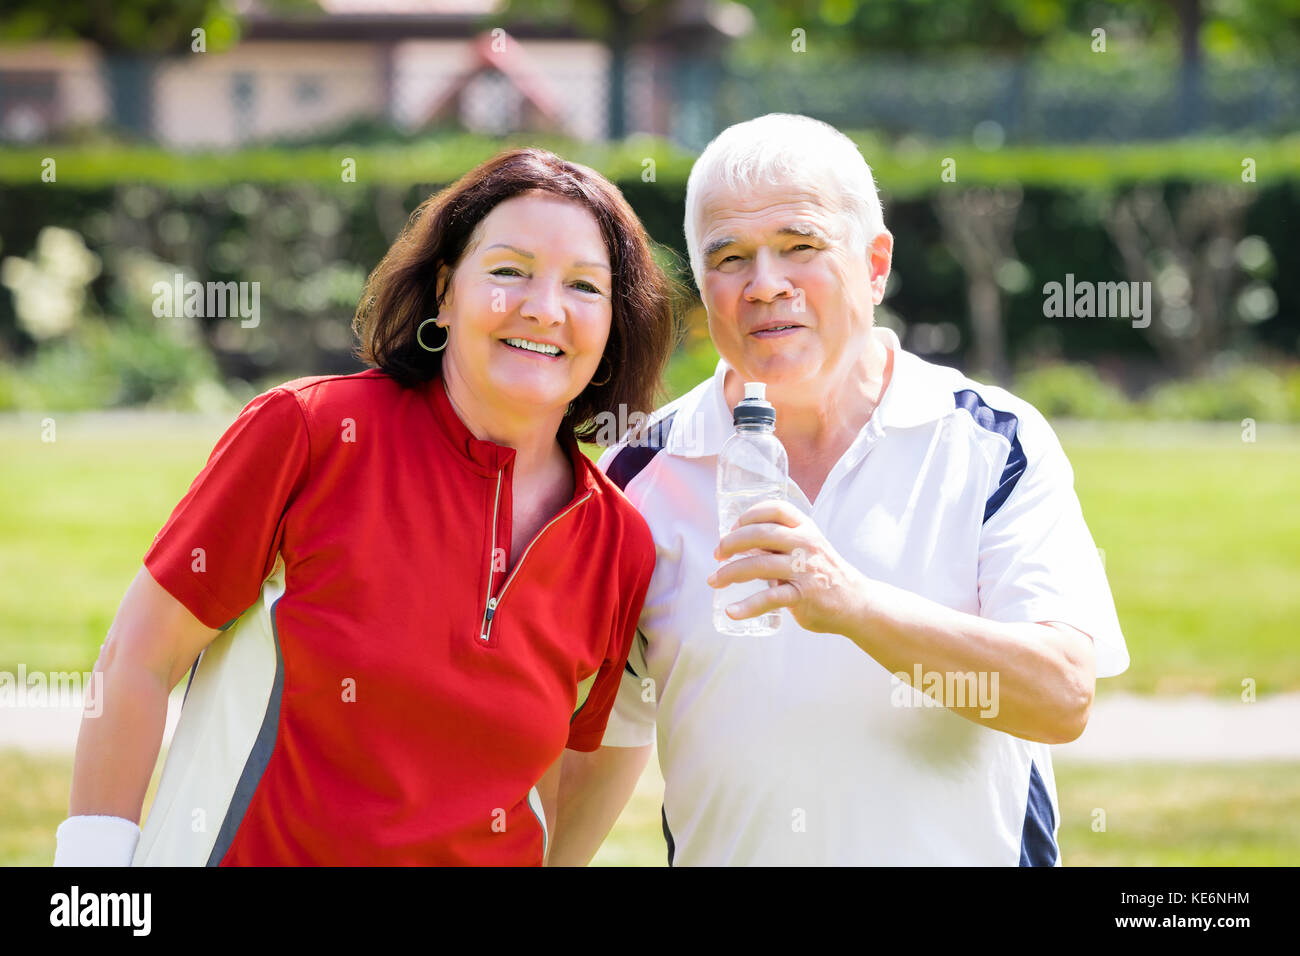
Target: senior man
x,y
946,612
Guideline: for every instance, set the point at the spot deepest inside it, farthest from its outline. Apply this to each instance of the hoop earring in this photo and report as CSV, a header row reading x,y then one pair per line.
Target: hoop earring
x,y
608,375
419,335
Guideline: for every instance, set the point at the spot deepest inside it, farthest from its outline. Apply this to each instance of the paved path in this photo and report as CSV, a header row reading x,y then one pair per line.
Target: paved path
x,y
54,729
1123,727
1193,728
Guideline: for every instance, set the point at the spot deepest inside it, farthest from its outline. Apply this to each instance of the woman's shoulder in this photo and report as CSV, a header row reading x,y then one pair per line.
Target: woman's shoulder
x,y
350,395
623,517
350,385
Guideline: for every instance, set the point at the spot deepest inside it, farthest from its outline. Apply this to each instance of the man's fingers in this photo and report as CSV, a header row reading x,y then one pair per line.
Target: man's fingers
x,y
762,567
758,537
772,512
782,595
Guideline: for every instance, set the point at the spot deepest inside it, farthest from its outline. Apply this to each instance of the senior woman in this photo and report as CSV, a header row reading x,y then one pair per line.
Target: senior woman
x,y
945,606
401,593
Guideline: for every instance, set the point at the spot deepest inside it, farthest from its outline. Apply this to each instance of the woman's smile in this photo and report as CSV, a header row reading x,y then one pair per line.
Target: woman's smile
x,y
533,349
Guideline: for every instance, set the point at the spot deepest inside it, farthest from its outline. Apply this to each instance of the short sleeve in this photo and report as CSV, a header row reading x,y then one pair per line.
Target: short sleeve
x,y
1038,560
588,726
222,539
632,721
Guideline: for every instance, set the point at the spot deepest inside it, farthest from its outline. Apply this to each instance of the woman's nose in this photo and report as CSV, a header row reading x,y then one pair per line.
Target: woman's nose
x,y
542,303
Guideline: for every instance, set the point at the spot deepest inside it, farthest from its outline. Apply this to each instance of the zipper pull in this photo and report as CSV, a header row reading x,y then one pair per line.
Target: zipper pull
x,y
487,620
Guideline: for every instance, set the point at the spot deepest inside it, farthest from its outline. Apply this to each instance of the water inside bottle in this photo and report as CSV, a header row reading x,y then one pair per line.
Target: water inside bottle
x,y
730,507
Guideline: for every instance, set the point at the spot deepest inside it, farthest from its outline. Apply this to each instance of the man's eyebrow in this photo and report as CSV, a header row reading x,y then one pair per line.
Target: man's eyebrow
x,y
717,245
529,255
808,232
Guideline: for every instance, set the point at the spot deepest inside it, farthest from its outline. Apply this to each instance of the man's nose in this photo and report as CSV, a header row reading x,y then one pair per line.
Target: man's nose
x,y
767,282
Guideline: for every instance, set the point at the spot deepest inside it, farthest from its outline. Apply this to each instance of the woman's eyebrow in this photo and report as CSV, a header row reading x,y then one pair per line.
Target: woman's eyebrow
x,y
515,249
528,255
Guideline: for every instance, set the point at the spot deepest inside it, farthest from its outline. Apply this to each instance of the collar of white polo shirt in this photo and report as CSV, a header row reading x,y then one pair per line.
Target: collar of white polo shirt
x,y
703,420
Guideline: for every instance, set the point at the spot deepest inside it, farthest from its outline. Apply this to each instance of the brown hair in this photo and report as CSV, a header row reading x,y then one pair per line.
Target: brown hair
x,y
401,292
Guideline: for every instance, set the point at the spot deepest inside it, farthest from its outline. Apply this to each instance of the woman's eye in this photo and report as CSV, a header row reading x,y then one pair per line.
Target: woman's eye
x,y
802,245
587,287
506,270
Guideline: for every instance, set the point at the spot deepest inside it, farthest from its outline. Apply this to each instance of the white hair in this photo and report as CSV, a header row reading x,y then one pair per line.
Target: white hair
x,y
786,149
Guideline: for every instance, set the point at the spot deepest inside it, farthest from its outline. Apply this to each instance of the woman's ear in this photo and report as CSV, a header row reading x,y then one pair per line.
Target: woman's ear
x,y
442,288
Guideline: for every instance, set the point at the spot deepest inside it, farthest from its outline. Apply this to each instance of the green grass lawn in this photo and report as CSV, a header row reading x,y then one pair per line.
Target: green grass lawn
x,y
1156,815
1201,533
76,518
1177,815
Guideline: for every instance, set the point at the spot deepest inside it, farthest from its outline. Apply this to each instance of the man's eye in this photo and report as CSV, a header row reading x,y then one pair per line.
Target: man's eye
x,y
802,245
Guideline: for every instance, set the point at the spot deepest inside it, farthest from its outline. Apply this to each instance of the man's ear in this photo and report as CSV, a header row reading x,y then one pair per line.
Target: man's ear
x,y
880,256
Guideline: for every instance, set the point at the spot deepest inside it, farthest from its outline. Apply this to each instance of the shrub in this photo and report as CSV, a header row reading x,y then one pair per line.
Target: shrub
x,y
1244,391
1071,391
129,363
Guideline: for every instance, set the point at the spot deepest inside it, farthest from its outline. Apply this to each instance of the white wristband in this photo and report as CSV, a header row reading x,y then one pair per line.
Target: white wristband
x,y
95,841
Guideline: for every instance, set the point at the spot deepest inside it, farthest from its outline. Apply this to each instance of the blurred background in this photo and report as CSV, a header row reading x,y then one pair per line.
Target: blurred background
x,y
1016,143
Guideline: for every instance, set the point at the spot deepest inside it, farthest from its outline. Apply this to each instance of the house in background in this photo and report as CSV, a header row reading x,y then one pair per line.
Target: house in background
x,y
408,62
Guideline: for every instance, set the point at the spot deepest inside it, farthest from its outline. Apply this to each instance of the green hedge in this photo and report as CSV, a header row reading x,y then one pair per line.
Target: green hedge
x,y
281,217
901,170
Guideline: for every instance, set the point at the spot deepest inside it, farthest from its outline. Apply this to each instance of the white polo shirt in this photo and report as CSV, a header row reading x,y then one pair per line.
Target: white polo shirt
x,y
799,748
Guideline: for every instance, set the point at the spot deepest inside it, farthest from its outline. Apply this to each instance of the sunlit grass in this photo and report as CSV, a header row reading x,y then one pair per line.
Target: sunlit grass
x,y
1155,815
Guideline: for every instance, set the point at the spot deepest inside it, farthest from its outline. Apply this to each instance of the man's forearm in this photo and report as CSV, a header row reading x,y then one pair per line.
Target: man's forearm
x,y
1042,677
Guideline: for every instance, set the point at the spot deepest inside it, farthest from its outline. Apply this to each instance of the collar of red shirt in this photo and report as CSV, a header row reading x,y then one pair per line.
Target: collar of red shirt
x,y
486,457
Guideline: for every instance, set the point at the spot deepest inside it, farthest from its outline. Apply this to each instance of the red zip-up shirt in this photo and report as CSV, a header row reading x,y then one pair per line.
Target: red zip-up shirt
x,y
388,690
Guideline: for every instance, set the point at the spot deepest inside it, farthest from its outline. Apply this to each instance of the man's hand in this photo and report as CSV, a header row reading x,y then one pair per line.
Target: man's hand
x,y
1046,672
819,587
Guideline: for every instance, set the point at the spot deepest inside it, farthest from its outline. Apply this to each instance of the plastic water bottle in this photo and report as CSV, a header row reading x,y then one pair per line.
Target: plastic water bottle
x,y
752,467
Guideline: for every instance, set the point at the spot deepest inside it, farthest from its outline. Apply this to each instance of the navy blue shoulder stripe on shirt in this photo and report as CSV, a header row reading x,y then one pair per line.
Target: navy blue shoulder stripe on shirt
x,y
633,457
1008,426
631,461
